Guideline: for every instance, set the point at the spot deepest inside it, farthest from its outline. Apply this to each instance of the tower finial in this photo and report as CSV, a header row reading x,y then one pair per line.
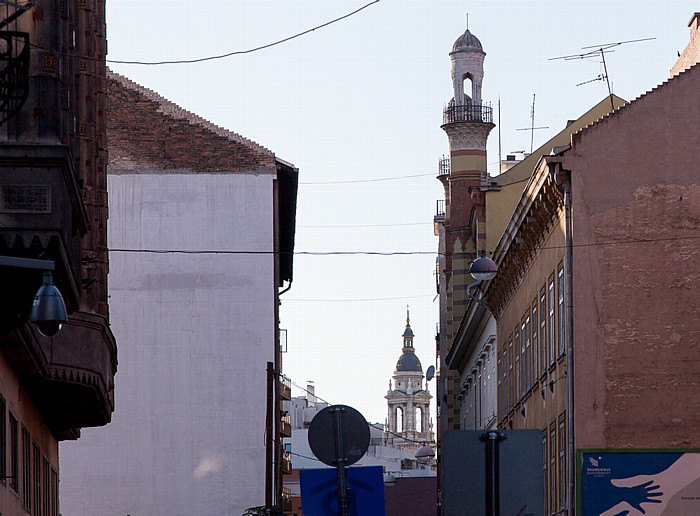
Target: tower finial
x,y
408,316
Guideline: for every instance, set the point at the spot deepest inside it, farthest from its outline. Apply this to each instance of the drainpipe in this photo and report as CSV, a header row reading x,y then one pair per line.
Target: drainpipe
x,y
562,178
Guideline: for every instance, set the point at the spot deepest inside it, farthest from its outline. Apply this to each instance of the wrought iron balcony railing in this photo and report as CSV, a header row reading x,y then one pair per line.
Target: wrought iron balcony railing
x,y
440,209
444,167
481,113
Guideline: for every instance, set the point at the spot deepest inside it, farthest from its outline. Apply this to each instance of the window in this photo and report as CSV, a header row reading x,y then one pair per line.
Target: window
x,y
561,315
504,407
535,343
13,457
544,466
26,470
500,385
543,332
552,468
54,492
527,381
419,420
551,333
399,419
511,392
37,482
562,461
47,486
518,365
3,439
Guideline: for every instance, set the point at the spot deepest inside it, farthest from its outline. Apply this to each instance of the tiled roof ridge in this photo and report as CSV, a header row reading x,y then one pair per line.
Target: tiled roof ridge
x,y
171,109
632,102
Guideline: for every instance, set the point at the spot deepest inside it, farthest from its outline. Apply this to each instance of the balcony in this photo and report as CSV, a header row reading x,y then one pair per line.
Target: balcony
x,y
439,211
70,376
474,113
285,424
444,167
285,388
286,463
286,499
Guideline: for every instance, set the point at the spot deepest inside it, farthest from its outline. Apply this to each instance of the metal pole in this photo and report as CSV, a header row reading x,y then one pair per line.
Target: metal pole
x,y
340,461
493,495
269,436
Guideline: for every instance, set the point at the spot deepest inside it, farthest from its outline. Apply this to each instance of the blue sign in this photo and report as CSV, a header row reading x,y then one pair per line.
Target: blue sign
x,y
319,495
638,482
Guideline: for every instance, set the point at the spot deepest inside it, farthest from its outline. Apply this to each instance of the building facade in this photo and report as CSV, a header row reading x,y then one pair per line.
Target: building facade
x,y
594,345
201,240
53,209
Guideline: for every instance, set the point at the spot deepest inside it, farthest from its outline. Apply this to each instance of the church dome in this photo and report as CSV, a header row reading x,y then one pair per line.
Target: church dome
x,y
408,363
467,42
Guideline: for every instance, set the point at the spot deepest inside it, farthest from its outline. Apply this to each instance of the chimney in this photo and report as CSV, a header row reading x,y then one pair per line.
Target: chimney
x,y
691,54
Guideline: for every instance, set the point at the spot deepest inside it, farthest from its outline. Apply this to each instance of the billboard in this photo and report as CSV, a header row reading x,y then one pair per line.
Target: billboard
x,y
634,482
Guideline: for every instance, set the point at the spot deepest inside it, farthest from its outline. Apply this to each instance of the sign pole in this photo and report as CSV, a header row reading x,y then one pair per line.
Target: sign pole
x,y
493,495
340,460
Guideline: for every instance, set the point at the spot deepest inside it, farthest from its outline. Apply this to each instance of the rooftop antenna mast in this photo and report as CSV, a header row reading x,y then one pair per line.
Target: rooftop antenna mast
x,y
602,49
532,127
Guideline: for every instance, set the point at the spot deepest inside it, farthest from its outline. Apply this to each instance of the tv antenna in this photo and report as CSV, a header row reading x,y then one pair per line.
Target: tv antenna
x,y
602,50
532,127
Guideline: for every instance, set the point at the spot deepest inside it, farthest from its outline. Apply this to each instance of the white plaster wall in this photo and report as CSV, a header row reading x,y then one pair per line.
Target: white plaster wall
x,y
479,405
194,332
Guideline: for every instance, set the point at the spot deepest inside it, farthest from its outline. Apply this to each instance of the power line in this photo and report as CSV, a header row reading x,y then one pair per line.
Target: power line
x,y
241,52
296,253
357,300
375,425
343,182
386,253
369,225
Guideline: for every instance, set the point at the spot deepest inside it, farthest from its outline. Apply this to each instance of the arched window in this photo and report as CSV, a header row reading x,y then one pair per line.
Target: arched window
x,y
399,419
419,419
468,88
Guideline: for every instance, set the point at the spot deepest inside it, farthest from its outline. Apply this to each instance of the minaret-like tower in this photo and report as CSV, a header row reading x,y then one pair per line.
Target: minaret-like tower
x,y
408,420
467,122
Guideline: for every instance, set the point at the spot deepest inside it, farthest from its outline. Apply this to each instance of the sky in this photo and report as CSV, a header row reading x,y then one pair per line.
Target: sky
x,y
357,107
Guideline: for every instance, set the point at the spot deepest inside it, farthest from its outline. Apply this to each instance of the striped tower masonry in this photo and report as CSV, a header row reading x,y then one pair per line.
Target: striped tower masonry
x,y
467,122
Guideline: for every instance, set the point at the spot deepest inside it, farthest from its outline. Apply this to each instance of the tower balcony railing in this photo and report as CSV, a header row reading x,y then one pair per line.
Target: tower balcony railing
x,y
440,209
444,167
482,113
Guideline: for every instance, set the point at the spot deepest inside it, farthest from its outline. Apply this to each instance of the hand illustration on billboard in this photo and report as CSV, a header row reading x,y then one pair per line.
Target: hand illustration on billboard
x,y
625,497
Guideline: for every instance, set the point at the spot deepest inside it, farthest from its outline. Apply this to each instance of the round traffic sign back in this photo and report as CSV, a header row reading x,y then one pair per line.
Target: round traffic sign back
x,y
334,423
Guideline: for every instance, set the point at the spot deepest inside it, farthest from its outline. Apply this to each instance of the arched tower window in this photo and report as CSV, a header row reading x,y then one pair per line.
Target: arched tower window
x,y
419,419
467,88
399,419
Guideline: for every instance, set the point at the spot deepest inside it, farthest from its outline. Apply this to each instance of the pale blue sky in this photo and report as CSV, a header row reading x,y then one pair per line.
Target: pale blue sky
x,y
362,100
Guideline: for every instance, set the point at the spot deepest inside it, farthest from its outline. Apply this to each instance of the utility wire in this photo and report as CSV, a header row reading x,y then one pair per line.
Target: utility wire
x,y
357,300
388,253
369,225
240,52
375,425
375,180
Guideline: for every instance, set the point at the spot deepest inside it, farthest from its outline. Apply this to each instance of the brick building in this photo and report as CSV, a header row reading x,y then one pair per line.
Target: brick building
x,y
53,208
199,425
595,285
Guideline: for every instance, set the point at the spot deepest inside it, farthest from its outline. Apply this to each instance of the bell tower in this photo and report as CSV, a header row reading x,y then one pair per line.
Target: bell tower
x,y
408,423
467,120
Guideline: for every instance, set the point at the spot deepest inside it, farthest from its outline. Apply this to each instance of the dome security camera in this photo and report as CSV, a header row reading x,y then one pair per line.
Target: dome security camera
x,y
48,310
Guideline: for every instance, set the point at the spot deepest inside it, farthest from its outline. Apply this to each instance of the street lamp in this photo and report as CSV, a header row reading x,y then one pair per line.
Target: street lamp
x,y
481,269
48,310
